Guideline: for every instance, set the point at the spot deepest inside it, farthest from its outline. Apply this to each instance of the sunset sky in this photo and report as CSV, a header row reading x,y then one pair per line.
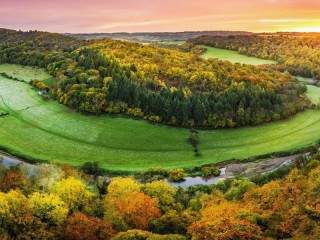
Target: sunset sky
x,y
160,15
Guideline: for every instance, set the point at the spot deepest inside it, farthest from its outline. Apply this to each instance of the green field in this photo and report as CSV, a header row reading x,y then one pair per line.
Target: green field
x,y
25,73
49,131
313,92
233,56
177,42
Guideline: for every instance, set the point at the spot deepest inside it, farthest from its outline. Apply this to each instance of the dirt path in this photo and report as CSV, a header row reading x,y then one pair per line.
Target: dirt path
x,y
262,167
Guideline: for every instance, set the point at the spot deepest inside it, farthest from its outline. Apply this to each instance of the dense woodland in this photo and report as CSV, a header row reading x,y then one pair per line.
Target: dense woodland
x,y
157,84
298,53
60,202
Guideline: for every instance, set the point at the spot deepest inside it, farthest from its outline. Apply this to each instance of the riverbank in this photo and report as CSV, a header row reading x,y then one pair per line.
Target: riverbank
x,y
9,161
230,170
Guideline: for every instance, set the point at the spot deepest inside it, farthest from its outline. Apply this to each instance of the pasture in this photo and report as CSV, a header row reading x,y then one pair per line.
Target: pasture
x,y
25,73
233,56
313,94
313,90
175,42
46,130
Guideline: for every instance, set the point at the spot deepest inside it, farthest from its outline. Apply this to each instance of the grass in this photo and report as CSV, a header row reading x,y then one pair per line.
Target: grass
x,y
176,42
308,81
313,92
26,73
233,56
49,131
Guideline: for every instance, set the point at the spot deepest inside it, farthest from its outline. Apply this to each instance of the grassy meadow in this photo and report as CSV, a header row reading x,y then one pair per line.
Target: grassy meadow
x,y
25,73
313,91
46,130
313,94
176,42
233,56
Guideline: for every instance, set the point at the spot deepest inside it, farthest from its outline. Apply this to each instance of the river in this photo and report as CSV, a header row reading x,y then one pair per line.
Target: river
x,y
189,181
9,161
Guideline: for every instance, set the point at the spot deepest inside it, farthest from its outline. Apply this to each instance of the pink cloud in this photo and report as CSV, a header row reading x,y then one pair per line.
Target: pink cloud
x,y
156,15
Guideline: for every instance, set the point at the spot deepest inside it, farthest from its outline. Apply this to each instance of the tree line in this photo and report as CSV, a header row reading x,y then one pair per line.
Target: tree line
x,y
297,53
160,85
61,202
210,94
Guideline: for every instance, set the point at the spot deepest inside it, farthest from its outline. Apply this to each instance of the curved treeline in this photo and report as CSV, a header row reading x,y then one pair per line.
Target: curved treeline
x,y
299,53
97,80
160,85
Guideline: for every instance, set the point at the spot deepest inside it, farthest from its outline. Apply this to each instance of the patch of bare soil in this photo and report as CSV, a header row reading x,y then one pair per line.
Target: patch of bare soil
x,y
262,167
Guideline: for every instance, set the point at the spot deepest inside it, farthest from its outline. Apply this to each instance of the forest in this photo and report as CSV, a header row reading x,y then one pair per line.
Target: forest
x,y
171,86
159,85
299,53
57,201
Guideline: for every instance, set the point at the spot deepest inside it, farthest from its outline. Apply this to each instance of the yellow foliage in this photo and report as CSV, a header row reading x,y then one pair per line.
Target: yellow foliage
x,y
48,208
121,187
162,84
4,205
73,192
163,191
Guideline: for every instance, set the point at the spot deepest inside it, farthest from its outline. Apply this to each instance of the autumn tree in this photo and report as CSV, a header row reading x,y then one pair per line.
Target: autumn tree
x,y
12,179
127,207
45,176
49,208
165,194
144,235
73,192
226,221
82,227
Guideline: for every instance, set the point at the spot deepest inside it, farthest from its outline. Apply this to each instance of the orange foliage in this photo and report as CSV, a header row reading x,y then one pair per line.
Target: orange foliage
x,y
226,221
11,180
82,227
138,209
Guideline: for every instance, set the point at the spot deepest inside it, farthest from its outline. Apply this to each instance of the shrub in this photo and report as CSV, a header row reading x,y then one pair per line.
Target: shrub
x,y
91,168
210,171
153,174
176,175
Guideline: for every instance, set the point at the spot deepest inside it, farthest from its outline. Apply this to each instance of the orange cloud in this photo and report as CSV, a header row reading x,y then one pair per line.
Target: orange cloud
x,y
160,15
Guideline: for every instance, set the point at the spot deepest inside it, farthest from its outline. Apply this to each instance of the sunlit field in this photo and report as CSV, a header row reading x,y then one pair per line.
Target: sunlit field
x,y
46,130
233,56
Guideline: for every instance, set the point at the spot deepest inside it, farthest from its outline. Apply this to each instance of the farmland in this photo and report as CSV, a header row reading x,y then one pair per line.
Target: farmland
x,y
46,130
233,56
25,73
313,92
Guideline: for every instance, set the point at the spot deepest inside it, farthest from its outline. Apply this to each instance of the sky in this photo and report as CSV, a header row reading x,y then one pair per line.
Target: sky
x,y
92,16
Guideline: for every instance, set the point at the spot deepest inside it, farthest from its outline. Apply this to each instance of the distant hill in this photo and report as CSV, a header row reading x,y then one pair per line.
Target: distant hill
x,y
157,36
38,40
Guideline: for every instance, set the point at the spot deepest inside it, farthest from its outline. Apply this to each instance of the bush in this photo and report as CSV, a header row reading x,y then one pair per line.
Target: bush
x,y
238,188
210,171
276,174
91,168
144,235
153,174
176,175
39,85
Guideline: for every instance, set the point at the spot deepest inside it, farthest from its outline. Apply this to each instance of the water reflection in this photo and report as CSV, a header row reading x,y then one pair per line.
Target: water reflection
x,y
192,181
9,161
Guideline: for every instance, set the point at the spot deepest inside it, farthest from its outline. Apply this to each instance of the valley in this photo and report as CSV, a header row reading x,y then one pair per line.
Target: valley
x,y
160,120
41,130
